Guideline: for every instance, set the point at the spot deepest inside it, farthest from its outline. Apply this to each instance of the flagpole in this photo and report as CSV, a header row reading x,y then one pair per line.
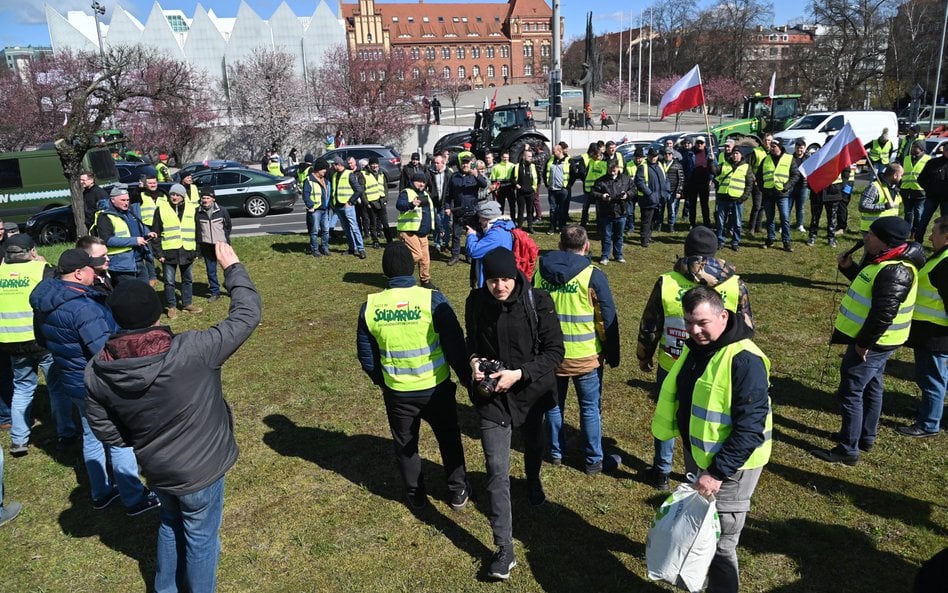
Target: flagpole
x,y
707,121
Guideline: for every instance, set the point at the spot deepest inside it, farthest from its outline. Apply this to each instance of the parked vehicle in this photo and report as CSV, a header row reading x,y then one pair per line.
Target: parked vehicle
x,y
508,128
390,161
193,168
32,181
761,114
924,118
252,192
817,128
130,173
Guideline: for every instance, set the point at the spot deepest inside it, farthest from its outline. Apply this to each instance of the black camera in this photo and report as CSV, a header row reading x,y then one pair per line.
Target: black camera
x,y
489,367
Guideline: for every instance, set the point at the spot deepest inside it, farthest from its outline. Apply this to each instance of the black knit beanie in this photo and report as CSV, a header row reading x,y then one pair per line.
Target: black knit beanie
x,y
134,304
500,263
397,260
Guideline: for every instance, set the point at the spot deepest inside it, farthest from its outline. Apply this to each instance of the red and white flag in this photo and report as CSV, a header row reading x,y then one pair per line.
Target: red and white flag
x,y
844,149
683,95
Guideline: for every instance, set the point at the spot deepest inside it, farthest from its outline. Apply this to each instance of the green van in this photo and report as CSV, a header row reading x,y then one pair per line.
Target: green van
x,y
33,180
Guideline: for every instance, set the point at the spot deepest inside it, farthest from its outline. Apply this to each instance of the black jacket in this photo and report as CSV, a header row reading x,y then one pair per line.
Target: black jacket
x,y
934,177
462,193
407,171
90,202
925,334
749,398
619,190
889,290
504,331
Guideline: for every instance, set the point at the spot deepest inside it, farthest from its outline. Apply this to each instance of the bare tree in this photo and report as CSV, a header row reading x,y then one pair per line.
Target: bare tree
x,y
616,90
176,125
268,99
373,99
913,45
76,93
19,126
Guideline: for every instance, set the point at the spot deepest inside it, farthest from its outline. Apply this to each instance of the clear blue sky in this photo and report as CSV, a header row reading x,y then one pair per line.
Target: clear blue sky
x,y
25,20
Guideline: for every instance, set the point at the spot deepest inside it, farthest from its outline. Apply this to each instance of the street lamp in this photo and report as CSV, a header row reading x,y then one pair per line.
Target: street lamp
x,y
99,10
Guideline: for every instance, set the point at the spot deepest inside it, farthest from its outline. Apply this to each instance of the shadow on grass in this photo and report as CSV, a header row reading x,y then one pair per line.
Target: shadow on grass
x,y
828,558
566,554
882,503
301,247
375,280
757,279
357,458
134,537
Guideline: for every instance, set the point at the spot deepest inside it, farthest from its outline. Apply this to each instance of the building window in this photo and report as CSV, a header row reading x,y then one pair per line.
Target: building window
x,y
504,71
528,69
774,51
429,53
446,72
178,24
394,19
504,51
490,51
440,19
475,52
415,73
475,71
479,19
445,53
546,69
462,73
415,53
545,50
424,19
456,20
461,53
490,72
430,72
411,19
528,49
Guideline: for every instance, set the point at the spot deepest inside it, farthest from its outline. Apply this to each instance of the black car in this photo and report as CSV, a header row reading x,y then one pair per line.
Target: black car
x,y
389,160
131,172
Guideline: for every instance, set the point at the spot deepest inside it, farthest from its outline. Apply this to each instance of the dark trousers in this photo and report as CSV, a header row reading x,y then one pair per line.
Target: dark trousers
x,y
587,202
757,211
817,206
842,212
559,209
458,230
647,214
693,193
439,410
495,439
505,195
860,398
378,222
525,207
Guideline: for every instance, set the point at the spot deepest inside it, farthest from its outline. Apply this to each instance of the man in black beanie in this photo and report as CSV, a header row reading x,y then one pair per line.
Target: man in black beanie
x,y
874,319
515,342
663,326
161,393
407,338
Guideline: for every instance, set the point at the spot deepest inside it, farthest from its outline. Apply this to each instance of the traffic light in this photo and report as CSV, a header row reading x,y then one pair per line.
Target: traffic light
x,y
556,99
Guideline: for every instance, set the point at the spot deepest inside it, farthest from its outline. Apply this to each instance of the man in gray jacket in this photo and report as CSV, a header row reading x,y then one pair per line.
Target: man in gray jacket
x,y
184,438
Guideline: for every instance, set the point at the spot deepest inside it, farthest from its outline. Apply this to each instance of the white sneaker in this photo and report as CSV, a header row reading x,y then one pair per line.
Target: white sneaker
x,y
604,261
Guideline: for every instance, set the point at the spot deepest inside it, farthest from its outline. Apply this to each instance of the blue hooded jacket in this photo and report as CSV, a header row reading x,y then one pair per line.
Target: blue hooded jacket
x,y
73,322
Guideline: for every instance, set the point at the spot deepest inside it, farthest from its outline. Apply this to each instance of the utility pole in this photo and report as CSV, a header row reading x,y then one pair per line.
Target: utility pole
x,y
99,10
649,69
556,84
638,95
941,57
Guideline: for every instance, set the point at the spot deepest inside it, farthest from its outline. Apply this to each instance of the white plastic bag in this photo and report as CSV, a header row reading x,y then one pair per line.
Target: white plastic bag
x,y
683,538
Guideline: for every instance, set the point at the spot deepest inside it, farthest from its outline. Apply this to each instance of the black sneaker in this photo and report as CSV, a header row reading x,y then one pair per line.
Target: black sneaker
x,y
418,499
150,502
811,241
454,259
916,431
429,285
100,503
656,479
501,563
535,494
362,255
835,455
19,450
459,499
216,297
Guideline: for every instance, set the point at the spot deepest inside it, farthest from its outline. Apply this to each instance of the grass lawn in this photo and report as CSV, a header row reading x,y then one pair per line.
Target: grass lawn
x,y
315,502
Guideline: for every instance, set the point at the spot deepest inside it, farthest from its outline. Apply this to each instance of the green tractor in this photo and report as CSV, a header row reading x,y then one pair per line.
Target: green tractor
x,y
761,115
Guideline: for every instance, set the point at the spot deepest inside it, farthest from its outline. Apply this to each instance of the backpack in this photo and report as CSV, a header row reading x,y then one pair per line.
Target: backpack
x,y
525,252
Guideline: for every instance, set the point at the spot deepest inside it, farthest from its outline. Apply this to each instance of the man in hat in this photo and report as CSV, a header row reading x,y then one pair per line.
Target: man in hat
x,y
346,189
874,319
74,322
414,166
212,225
376,200
415,223
166,424
663,326
92,196
461,206
653,190
164,173
911,191
316,199
126,236
21,271
735,184
494,230
880,151
515,344
97,250
881,197
799,190
175,223
416,386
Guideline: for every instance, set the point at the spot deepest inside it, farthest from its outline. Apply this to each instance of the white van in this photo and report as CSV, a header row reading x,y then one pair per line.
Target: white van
x,y
817,128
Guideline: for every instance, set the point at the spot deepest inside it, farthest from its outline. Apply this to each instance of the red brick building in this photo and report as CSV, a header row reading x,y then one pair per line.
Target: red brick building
x,y
486,44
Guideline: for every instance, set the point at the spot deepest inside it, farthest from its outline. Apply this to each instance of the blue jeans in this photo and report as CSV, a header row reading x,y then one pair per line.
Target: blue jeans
x,y
559,208
443,231
860,397
189,542
612,229
667,210
730,212
317,223
589,393
798,202
25,380
931,374
913,212
350,226
782,203
123,461
187,286
6,388
213,283
664,450
928,212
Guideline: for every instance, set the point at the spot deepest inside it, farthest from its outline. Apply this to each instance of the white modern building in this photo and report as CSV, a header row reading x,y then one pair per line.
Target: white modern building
x,y
205,40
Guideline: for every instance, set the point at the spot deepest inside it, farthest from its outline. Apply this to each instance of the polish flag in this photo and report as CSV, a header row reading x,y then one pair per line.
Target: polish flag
x,y
683,95
844,149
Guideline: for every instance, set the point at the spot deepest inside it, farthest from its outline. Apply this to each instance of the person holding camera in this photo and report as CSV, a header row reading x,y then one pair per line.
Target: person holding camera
x,y
463,188
408,339
415,222
515,343
612,197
